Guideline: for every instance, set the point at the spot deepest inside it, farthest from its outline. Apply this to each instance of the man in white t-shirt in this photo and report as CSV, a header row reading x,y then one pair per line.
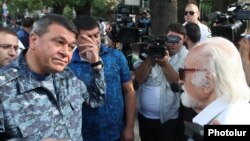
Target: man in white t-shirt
x,y
192,15
158,105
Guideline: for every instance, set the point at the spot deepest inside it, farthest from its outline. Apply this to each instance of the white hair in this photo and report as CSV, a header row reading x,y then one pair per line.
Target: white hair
x,y
223,61
199,79
187,100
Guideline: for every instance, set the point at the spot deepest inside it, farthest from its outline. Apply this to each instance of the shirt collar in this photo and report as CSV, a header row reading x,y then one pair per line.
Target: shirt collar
x,y
210,112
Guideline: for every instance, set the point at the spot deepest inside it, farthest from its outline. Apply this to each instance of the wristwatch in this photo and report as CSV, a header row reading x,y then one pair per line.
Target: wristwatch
x,y
94,65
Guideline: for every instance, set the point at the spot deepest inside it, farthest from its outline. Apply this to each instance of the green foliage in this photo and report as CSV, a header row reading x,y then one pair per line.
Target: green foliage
x,y
78,2
50,3
68,12
99,8
15,6
102,8
62,3
12,8
96,7
35,4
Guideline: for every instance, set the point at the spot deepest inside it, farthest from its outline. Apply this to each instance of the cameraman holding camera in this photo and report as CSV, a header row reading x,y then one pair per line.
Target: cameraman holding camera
x,y
158,104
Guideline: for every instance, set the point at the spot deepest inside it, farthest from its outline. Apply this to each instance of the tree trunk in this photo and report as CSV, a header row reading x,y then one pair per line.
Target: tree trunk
x,y
58,9
84,9
181,8
163,13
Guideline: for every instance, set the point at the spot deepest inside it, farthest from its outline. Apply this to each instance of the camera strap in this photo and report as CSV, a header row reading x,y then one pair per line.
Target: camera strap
x,y
142,56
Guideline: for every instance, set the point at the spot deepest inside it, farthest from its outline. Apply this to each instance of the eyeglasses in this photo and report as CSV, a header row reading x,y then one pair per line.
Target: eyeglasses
x,y
189,12
6,46
182,72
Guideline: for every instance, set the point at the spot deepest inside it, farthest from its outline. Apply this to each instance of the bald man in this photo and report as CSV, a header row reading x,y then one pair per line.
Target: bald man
x,y
192,15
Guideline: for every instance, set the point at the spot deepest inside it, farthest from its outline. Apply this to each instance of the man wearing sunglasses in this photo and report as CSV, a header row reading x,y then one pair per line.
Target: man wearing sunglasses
x,y
158,104
215,84
8,46
192,15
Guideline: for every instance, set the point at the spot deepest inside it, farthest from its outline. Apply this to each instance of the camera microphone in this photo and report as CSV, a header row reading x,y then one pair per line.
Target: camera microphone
x,y
176,87
214,15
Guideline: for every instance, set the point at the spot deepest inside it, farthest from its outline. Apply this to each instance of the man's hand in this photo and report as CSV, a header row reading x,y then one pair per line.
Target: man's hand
x,y
164,60
90,49
128,134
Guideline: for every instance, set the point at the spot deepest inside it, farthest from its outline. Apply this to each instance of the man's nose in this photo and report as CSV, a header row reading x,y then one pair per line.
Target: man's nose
x,y
65,50
12,52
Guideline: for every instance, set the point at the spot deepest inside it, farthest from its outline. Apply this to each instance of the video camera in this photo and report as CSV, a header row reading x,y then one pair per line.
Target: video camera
x,y
124,30
231,24
123,20
156,47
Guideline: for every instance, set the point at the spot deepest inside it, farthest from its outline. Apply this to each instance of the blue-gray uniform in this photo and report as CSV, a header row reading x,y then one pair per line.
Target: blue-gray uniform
x,y
35,108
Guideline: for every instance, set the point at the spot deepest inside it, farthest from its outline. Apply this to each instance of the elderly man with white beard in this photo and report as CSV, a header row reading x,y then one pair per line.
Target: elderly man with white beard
x,y
215,84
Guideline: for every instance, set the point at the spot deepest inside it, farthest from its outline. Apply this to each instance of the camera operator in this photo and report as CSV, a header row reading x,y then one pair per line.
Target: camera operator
x,y
232,24
158,104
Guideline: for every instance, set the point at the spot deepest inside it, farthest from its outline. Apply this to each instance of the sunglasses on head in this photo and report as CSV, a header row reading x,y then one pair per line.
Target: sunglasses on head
x,y
182,72
189,12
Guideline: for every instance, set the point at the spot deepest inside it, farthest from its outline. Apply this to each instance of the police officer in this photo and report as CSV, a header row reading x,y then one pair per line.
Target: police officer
x,y
40,97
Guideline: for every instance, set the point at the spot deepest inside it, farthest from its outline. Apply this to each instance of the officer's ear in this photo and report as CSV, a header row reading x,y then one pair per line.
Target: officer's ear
x,y
33,38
